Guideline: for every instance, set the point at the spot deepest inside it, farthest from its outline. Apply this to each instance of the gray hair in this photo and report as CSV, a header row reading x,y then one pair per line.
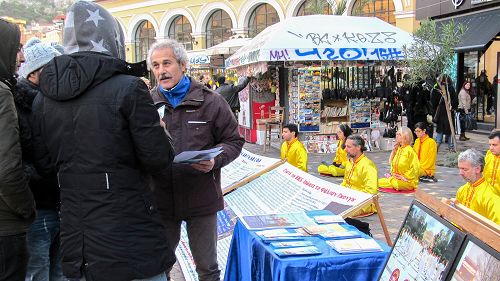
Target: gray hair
x,y
178,49
358,141
473,156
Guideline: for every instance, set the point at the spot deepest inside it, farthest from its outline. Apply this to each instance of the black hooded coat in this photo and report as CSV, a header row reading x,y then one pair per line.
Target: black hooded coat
x,y
98,128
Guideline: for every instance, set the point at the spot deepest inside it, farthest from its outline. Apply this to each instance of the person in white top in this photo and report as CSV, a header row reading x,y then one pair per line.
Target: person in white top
x,y
464,101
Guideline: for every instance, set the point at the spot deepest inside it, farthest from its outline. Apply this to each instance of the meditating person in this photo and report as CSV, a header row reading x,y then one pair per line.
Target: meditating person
x,y
426,149
337,168
360,172
292,150
477,194
405,166
491,170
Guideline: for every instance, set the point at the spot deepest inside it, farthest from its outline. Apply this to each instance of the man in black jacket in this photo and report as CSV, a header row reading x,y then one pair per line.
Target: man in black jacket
x,y
17,208
97,126
230,92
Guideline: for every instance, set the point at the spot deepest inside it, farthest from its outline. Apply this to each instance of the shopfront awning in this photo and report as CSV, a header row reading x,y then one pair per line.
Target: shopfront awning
x,y
481,29
324,37
227,47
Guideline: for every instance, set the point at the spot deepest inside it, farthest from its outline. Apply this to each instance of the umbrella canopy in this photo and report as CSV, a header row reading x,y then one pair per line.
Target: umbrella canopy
x,y
324,37
227,47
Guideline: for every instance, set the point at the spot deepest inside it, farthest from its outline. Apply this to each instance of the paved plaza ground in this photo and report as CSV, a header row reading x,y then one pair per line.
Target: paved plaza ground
x,y
394,206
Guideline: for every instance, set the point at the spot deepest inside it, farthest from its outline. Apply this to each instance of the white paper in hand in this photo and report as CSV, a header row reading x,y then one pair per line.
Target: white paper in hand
x,y
188,157
161,111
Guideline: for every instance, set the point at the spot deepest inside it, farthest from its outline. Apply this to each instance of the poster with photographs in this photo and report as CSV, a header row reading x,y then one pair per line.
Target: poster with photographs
x,y
309,99
476,262
360,115
293,107
425,248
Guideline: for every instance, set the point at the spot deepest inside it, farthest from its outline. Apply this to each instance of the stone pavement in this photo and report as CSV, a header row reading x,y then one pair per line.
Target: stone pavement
x,y
394,206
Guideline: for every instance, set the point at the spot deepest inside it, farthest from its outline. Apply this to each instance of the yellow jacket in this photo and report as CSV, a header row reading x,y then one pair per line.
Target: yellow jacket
x,y
362,175
406,163
480,198
295,153
491,171
426,150
340,155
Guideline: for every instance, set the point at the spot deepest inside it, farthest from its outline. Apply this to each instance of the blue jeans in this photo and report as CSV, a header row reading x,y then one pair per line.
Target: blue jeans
x,y
43,245
439,140
13,257
159,277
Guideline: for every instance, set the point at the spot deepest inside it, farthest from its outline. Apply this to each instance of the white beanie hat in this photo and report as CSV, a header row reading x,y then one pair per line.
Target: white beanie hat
x,y
36,55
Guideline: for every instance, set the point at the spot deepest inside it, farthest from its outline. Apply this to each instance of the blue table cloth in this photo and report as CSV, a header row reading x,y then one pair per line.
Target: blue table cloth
x,y
251,259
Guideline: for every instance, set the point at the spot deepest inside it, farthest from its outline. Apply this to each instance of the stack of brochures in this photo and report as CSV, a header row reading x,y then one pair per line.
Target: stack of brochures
x,y
269,221
291,244
298,251
328,219
355,245
279,234
331,231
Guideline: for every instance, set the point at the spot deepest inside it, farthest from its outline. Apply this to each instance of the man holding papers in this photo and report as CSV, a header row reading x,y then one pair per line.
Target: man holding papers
x,y
197,120
361,173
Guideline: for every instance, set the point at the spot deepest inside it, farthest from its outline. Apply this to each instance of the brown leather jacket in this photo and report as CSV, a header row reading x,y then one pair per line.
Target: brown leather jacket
x,y
203,120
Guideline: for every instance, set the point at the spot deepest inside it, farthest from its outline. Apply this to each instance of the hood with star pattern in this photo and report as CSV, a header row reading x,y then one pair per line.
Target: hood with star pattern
x,y
90,27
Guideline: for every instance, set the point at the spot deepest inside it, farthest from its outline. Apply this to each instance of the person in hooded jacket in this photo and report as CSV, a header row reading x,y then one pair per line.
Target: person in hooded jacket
x,y
97,126
17,207
43,237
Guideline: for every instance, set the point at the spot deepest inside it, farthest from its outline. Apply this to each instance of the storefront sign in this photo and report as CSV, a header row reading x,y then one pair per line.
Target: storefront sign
x,y
197,60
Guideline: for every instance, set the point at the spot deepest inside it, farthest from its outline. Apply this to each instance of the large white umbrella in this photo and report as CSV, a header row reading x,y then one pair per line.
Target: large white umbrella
x,y
324,37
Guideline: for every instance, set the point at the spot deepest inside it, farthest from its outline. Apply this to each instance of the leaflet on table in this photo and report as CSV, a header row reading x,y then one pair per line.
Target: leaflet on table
x,y
291,244
195,156
291,220
329,219
355,245
324,228
300,251
246,165
340,235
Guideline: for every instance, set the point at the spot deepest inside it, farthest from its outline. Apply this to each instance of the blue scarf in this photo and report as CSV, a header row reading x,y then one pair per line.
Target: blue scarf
x,y
178,92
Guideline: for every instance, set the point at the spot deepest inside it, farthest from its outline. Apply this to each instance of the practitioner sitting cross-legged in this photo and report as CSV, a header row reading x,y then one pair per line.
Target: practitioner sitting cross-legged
x,y
360,173
337,168
404,164
426,149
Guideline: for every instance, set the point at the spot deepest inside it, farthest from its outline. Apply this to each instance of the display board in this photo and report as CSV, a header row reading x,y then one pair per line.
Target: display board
x,y
244,168
425,248
476,261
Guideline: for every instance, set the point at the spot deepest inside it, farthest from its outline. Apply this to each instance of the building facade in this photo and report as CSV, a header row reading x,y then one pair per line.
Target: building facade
x,y
203,24
479,49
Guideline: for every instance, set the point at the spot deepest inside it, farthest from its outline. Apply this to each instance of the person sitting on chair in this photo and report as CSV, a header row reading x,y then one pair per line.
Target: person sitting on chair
x,y
426,149
360,172
292,150
337,168
404,164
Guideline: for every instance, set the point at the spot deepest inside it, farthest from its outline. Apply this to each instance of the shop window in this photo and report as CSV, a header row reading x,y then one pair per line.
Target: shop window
x,y
219,27
263,16
180,30
308,8
382,9
144,38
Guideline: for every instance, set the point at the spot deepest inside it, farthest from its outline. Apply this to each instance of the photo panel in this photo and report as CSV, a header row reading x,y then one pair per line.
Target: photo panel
x,y
476,262
425,248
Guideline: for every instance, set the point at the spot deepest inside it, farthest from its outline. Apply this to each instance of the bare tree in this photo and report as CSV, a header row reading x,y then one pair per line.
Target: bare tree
x,y
489,268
